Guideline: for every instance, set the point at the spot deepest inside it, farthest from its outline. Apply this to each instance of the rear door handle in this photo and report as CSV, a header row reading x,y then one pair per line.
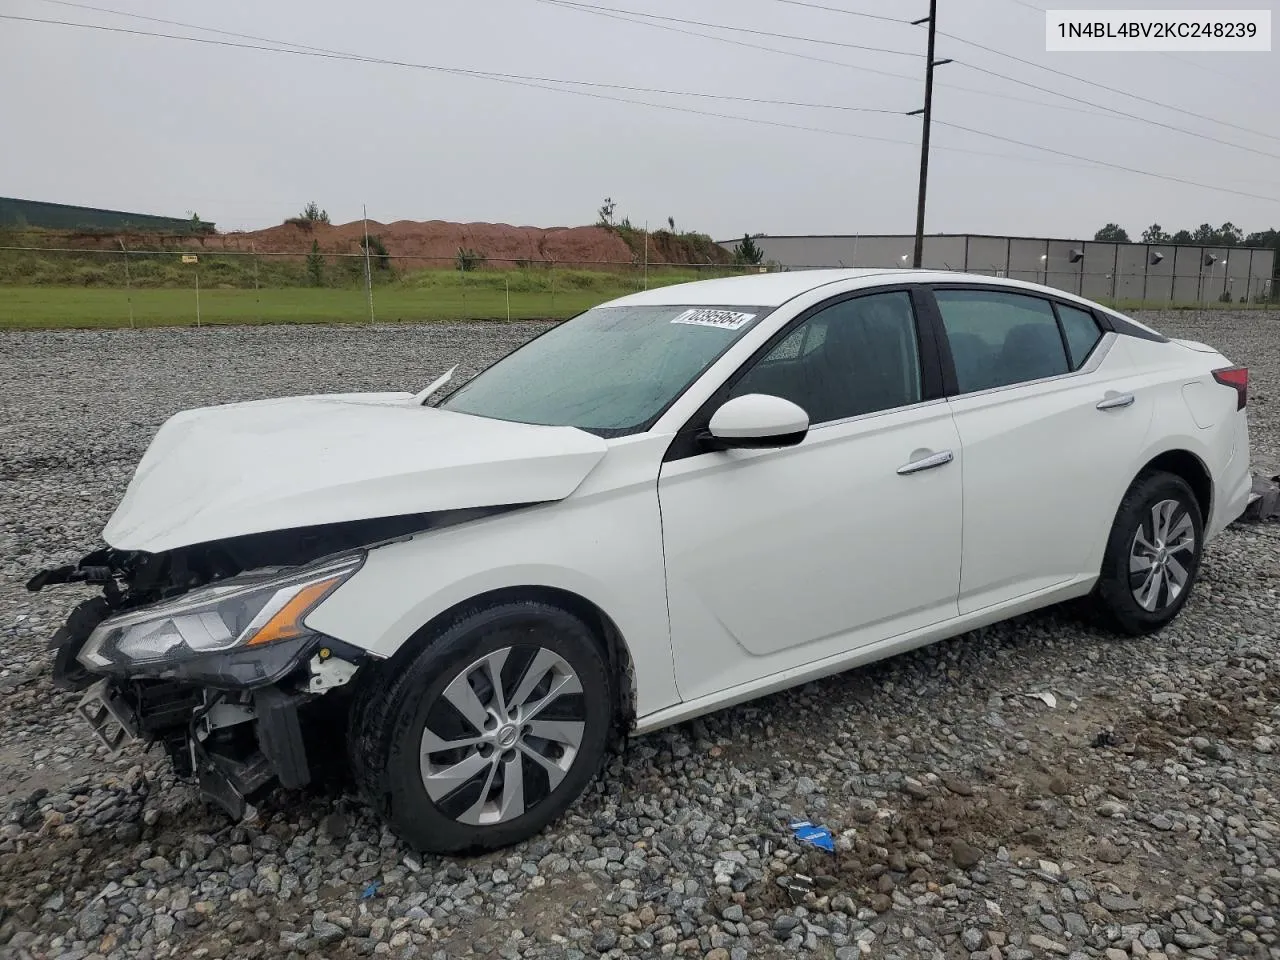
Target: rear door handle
x,y
1113,400
927,463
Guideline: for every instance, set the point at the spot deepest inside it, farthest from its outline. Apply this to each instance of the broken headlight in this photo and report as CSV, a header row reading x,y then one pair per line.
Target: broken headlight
x,y
246,611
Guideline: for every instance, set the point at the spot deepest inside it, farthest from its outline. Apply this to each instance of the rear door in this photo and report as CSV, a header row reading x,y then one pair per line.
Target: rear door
x,y
1042,400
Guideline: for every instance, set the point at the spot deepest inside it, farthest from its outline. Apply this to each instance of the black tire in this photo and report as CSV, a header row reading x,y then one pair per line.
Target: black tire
x,y
1114,596
392,709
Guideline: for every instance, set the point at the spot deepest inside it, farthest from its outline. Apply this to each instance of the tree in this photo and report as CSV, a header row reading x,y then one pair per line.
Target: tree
x,y
1113,233
671,222
315,265
377,251
1229,235
1205,234
1267,238
313,214
1154,234
1182,236
605,213
1263,238
747,252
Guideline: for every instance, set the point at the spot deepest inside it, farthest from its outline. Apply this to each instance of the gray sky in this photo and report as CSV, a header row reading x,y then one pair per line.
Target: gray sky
x,y
246,137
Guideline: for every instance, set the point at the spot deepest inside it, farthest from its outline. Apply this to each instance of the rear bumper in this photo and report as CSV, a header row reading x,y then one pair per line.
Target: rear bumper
x,y
1235,483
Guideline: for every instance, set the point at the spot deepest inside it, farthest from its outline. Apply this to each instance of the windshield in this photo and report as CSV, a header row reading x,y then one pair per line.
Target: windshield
x,y
611,370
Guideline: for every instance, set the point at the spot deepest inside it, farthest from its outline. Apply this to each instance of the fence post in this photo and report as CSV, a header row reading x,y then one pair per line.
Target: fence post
x,y
197,295
508,283
368,273
128,283
257,296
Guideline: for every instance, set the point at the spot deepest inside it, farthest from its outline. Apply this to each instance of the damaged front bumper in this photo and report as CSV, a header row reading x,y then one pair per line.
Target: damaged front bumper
x,y
233,744
237,719
234,740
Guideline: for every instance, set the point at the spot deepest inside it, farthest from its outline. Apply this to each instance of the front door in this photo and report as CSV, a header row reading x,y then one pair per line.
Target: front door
x,y
780,558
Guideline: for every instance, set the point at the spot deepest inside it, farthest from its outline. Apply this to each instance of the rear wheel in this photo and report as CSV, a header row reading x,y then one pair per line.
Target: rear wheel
x,y
489,733
1153,554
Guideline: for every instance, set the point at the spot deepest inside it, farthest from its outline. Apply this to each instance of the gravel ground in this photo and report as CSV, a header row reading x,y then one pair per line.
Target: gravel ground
x,y
1139,816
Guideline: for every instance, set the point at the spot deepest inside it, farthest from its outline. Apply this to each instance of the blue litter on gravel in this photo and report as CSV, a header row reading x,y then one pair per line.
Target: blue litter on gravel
x,y
371,890
814,835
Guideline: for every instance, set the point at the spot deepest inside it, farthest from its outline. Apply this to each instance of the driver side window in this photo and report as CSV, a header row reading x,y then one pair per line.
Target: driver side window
x,y
854,357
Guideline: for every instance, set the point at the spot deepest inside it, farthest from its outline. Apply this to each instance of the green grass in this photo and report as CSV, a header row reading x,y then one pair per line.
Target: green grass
x,y
427,295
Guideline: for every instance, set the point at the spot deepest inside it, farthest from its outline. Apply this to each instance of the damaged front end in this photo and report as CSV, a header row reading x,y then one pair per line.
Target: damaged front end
x,y
205,650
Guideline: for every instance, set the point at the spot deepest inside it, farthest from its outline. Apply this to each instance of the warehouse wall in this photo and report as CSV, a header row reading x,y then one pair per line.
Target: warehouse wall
x,y
1100,271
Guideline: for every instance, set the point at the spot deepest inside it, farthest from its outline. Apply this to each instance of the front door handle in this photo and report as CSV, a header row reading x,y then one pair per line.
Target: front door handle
x,y
927,463
1113,401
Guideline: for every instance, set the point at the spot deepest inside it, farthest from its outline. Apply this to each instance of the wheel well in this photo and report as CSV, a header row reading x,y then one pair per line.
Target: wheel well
x,y
1188,466
601,624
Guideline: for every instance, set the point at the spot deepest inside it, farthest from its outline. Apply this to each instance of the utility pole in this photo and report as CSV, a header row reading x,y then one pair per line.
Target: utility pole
x,y
930,63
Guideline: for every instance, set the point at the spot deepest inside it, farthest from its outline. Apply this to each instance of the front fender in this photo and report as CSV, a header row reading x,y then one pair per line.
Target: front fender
x,y
604,545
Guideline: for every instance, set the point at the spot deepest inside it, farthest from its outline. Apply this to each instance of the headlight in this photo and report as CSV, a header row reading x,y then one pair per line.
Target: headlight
x,y
245,611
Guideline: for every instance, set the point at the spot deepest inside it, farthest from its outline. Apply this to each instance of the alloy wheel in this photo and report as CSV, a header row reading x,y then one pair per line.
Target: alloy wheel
x,y
502,735
1160,555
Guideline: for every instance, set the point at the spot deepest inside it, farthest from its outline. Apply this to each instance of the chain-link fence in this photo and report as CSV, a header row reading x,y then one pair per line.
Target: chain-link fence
x,y
127,286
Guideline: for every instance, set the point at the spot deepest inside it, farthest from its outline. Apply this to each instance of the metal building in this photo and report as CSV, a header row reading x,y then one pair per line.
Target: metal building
x,y
61,216
1116,272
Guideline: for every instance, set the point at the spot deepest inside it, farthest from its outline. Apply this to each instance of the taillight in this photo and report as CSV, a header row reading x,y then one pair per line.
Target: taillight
x,y
1237,378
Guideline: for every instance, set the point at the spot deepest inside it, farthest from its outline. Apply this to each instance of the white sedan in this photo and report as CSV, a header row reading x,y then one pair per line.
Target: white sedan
x,y
676,501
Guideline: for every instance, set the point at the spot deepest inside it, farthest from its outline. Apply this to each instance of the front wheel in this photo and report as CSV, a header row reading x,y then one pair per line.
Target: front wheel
x,y
489,733
1153,554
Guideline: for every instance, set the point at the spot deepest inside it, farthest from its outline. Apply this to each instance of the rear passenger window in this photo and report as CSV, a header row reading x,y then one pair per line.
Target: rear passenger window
x,y
1000,338
1081,331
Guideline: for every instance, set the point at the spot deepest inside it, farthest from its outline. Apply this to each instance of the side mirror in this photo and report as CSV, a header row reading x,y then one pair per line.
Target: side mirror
x,y
756,420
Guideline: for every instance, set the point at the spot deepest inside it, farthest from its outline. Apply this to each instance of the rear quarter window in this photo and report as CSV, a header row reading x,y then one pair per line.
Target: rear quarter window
x,y
1082,333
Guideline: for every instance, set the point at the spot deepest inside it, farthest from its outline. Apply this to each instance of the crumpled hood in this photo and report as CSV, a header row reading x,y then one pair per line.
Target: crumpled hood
x,y
264,465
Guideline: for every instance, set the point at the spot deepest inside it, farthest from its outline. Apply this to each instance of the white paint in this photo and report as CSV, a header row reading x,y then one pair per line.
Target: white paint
x,y
728,574
757,415
266,465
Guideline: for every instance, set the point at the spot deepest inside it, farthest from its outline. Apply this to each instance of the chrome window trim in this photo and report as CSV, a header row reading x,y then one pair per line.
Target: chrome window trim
x,y
876,413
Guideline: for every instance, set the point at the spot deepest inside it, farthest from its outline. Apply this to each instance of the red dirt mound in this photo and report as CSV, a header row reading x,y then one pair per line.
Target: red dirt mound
x,y
440,241
437,242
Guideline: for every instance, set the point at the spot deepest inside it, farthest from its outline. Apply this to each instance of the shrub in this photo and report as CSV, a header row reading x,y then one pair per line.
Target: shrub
x,y
468,259
315,265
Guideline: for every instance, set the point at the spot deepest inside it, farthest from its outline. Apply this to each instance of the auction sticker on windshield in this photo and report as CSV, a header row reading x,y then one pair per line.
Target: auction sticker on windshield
x,y
725,319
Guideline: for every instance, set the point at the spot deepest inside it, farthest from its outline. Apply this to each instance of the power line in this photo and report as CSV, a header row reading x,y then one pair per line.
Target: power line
x,y
538,83
1103,163
516,79
1187,61
736,43
1109,89
1071,76
1113,110
595,8
303,46
325,53
628,15
851,13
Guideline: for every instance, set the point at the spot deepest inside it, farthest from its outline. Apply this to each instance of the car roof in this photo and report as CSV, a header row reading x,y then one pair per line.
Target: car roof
x,y
775,289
